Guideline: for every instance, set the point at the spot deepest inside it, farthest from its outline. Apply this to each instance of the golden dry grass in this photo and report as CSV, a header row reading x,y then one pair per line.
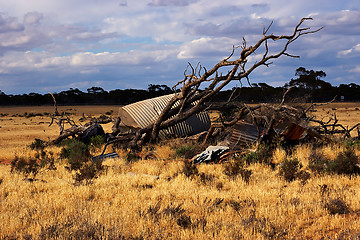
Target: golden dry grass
x,y
348,114
123,203
17,131
129,202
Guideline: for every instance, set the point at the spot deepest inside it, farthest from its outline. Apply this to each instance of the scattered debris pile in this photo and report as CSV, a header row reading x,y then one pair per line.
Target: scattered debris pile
x,y
246,127
211,154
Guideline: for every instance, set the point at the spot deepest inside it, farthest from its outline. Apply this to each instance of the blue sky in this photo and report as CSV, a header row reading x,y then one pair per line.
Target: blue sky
x,y
53,45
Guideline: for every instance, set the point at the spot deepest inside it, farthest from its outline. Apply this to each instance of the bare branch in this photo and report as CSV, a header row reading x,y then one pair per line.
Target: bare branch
x,y
183,106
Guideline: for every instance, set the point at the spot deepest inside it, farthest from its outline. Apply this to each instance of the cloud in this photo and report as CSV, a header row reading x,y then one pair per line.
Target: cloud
x,y
83,62
33,18
344,22
123,3
33,33
355,69
236,28
354,51
147,41
9,24
181,3
206,47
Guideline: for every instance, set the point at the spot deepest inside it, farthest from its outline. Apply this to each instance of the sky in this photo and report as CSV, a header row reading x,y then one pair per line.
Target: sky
x,y
55,45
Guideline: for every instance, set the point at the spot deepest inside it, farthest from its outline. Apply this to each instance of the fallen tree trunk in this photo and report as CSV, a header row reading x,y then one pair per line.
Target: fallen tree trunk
x,y
189,100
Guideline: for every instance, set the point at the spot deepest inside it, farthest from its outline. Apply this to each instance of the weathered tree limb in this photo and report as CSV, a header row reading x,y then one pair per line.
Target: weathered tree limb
x,y
67,133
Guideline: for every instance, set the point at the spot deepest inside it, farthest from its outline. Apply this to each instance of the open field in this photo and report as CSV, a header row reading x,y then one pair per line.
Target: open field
x,y
162,199
18,131
21,125
347,113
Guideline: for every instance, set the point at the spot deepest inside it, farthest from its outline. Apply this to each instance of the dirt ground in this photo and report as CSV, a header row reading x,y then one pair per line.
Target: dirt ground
x,y
19,126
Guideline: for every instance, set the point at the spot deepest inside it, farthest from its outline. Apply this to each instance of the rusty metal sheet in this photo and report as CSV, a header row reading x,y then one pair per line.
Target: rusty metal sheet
x,y
143,113
294,132
244,133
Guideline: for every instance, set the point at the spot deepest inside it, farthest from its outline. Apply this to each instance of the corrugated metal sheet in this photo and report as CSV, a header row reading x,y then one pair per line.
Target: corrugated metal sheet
x,y
244,133
143,113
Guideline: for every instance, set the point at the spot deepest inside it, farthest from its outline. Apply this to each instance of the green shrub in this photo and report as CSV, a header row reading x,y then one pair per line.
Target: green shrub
x,y
76,152
79,159
261,155
38,144
346,162
291,170
96,141
318,163
352,143
186,151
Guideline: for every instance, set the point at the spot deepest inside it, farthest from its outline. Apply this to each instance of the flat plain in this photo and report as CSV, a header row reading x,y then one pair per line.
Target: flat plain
x,y
21,125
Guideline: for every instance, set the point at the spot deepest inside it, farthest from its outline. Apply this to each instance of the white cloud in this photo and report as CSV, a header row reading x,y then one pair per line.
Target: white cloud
x,y
206,47
350,52
171,2
84,62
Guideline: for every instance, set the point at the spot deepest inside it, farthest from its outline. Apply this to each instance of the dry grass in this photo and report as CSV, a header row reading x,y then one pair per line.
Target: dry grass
x,y
18,131
129,202
348,114
153,199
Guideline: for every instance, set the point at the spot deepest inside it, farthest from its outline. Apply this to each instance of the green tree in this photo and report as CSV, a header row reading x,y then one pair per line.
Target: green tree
x,y
309,79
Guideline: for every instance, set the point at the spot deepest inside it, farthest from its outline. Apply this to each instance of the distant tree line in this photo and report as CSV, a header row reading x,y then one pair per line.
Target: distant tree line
x,y
93,96
308,87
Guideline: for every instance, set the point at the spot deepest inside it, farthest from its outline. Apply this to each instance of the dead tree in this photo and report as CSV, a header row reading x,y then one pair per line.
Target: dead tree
x,y
77,130
181,105
190,100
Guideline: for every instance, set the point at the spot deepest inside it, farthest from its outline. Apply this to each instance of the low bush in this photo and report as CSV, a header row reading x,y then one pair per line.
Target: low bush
x,y
337,206
187,151
352,143
31,166
28,167
30,115
79,159
189,169
346,162
236,167
89,171
96,142
76,152
290,170
261,155
38,144
318,163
